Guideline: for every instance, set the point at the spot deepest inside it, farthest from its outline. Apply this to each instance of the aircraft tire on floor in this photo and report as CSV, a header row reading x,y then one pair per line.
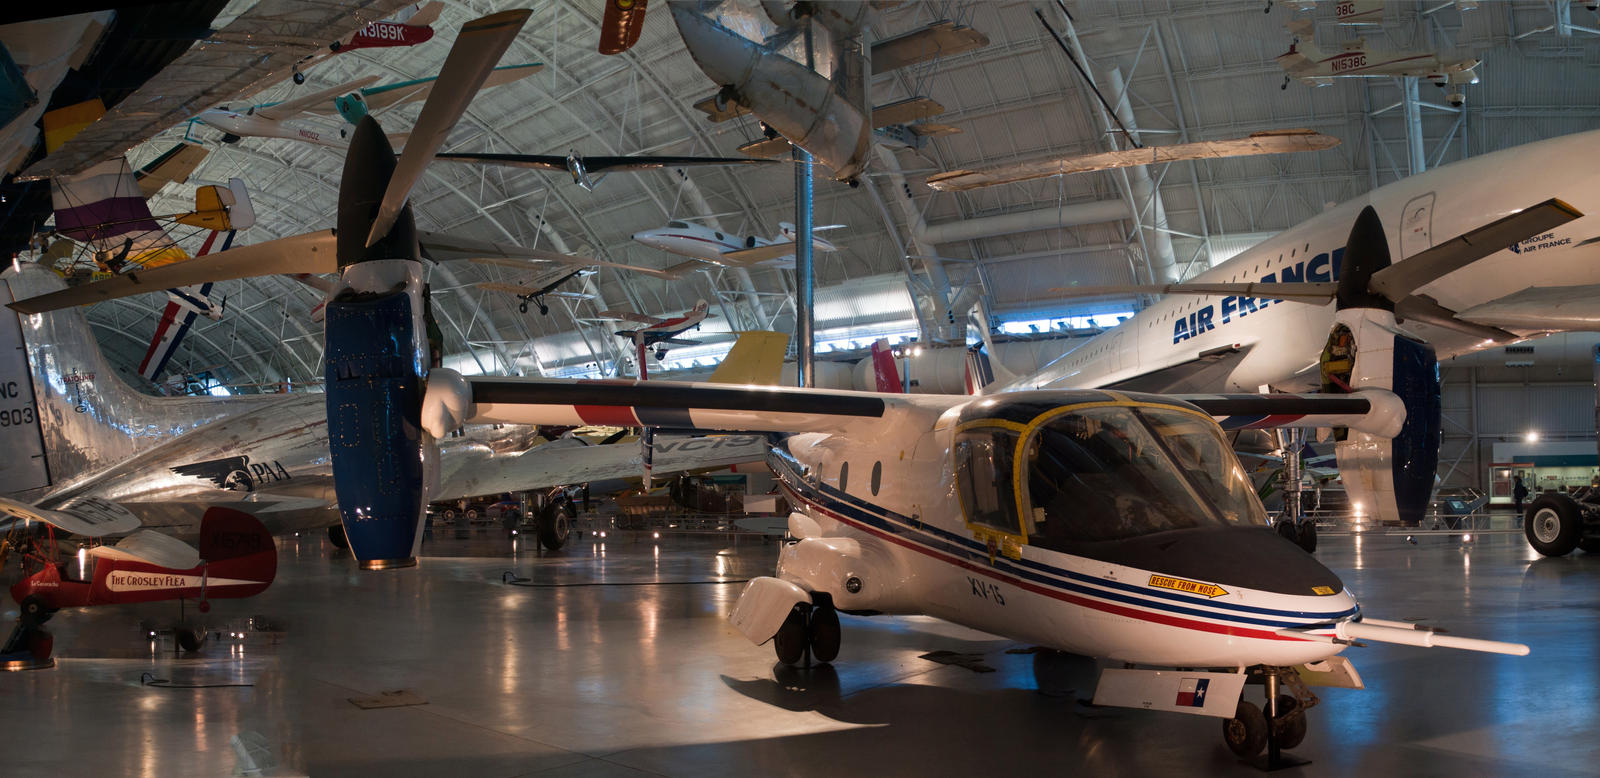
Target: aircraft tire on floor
x,y
1290,722
1246,732
554,528
35,611
823,633
1589,545
790,642
1286,528
1553,524
189,639
1306,536
337,537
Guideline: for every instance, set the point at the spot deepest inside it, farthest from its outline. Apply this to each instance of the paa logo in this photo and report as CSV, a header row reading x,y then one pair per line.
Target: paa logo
x,y
1321,268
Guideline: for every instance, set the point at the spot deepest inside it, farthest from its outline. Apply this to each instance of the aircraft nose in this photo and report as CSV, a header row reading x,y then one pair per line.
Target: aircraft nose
x,y
1247,557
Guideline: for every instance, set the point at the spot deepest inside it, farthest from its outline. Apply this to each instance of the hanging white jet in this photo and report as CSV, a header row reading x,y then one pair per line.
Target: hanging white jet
x,y
699,242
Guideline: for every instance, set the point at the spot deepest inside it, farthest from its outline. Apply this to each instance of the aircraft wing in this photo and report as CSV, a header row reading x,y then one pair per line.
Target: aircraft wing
x,y
636,318
299,105
151,548
1378,412
551,465
442,247
380,97
1208,369
312,252
173,166
88,517
1255,144
256,49
1571,308
662,404
597,165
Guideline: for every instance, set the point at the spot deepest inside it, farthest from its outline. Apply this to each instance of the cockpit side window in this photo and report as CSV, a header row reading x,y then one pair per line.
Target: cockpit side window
x,y
983,459
677,225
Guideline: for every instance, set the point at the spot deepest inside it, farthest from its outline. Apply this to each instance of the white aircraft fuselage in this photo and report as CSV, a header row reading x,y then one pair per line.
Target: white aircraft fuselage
x,y
1285,338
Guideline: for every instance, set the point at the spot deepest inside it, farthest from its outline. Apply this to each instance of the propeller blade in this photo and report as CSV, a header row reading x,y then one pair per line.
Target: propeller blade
x,y
472,58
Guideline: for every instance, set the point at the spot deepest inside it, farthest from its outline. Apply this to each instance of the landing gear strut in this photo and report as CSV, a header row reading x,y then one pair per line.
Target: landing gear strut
x,y
1282,725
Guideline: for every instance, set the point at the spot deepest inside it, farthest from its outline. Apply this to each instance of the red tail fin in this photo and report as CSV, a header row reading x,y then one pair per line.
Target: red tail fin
x,y
884,369
235,545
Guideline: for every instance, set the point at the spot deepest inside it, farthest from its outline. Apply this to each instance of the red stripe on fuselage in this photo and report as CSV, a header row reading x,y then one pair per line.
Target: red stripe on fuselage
x,y
1121,610
607,415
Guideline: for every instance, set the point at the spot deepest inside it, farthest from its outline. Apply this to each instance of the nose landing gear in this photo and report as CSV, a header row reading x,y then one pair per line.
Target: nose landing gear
x,y
809,626
1282,725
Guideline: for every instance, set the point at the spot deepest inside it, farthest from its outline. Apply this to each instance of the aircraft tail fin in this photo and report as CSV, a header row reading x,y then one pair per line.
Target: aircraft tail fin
x,y
884,370
983,372
756,358
75,414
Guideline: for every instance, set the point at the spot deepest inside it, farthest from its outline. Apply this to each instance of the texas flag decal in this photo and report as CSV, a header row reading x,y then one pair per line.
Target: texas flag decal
x,y
1192,692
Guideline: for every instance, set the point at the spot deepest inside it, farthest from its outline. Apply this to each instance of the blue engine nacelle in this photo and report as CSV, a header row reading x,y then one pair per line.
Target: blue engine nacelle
x,y
351,106
375,389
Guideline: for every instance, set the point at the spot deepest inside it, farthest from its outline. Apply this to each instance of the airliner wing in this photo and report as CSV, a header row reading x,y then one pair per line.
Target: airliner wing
x,y
1572,308
1208,369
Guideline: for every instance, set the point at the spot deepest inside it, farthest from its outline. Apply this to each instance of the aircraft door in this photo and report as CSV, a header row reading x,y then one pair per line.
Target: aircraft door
x,y
985,482
1416,225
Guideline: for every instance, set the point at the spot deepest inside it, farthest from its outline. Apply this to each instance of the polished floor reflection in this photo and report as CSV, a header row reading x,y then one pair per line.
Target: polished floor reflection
x,y
613,659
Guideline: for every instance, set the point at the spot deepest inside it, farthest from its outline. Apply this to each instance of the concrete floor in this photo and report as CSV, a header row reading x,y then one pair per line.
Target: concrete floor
x,y
625,680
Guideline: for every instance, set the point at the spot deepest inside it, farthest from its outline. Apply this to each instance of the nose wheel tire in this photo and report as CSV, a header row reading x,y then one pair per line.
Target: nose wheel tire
x,y
1290,724
1246,732
1306,536
190,640
35,611
1553,525
823,632
790,642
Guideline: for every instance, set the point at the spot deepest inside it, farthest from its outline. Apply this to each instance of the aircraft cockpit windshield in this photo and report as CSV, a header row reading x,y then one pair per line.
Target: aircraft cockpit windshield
x,y
1100,474
677,225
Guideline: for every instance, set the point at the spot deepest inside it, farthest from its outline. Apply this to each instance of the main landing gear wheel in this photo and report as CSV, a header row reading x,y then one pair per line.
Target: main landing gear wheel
x,y
189,639
1286,528
554,527
1290,724
1246,732
299,78
1553,525
1306,536
790,642
337,537
35,611
1590,545
823,633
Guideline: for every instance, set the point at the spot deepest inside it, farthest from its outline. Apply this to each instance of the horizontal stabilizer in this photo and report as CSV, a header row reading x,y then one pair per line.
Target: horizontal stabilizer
x,y
90,518
151,548
1308,292
1255,144
1423,268
312,252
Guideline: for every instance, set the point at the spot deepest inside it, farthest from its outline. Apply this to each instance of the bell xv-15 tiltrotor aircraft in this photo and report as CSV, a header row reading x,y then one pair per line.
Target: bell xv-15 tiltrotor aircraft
x,y
1107,523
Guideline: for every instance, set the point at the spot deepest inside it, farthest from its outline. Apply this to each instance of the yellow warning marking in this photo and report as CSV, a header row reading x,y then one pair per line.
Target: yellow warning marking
x,y
1192,587
1322,590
